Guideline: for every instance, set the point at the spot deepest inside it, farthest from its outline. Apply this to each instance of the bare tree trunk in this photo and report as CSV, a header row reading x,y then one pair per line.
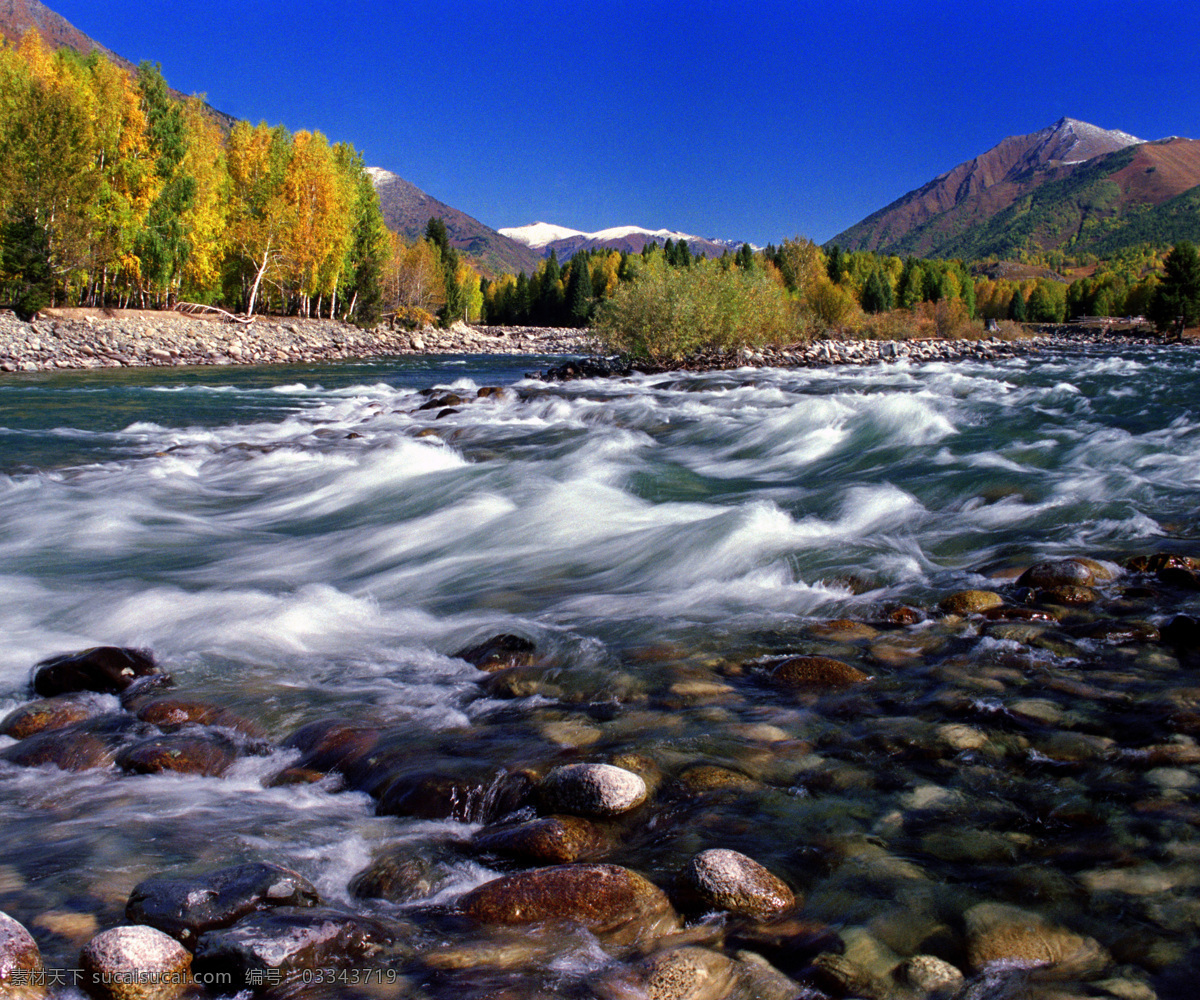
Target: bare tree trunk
x,y
262,269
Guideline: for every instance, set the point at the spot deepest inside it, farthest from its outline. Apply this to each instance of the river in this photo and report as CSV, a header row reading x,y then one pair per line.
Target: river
x,y
298,543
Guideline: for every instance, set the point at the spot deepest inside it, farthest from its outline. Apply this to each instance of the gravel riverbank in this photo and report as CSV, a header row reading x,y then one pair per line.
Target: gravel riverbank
x,y
96,338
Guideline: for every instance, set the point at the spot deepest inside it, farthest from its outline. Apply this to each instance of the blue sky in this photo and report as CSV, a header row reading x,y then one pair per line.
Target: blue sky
x,y
751,120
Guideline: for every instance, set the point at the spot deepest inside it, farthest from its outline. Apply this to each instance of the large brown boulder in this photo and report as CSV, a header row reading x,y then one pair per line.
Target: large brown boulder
x,y
47,714
603,898
209,754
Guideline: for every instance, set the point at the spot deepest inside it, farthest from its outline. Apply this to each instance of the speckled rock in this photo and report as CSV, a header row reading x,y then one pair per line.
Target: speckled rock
x,y
592,790
710,778
969,602
930,974
115,961
109,669
551,840
606,899
997,932
815,672
19,955
48,714
1068,595
689,973
728,880
187,907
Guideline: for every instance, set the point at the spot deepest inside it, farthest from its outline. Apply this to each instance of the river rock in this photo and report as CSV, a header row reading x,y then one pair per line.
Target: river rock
x,y
606,899
286,942
19,955
688,973
80,746
815,672
472,793
402,875
997,932
115,962
332,744
551,840
592,790
1057,573
1068,596
930,974
499,653
48,714
209,754
108,669
188,907
172,713
728,880
969,602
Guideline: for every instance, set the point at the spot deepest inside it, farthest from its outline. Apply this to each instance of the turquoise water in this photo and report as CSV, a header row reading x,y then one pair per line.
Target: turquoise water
x,y
289,547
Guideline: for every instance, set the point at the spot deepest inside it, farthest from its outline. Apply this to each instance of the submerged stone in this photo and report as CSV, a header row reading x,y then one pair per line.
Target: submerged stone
x,y
551,840
187,907
48,714
1058,573
285,943
208,754
500,652
967,602
815,672
999,933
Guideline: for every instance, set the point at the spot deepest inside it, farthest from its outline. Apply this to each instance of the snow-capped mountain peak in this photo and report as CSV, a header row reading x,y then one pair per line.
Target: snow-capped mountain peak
x,y
540,234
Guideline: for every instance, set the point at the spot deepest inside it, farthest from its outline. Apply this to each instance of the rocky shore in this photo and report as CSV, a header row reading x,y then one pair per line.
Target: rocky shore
x,y
96,338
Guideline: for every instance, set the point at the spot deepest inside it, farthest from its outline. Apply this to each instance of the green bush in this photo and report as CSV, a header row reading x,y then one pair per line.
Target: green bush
x,y
672,312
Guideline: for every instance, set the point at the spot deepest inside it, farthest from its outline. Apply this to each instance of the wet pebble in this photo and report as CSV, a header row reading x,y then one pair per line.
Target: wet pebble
x,y
728,880
593,789
814,672
551,840
115,962
48,714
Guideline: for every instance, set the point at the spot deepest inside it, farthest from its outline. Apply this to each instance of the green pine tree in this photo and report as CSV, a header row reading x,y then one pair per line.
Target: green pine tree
x,y
1176,304
579,291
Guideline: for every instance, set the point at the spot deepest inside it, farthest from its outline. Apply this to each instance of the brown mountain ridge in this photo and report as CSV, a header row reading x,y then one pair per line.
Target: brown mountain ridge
x,y
1070,185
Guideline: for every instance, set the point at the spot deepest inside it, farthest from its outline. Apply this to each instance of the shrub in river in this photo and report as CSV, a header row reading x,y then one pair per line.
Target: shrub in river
x,y
669,312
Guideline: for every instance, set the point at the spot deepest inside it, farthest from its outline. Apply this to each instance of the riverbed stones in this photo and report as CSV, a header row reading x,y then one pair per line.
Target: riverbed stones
x,y
80,746
728,880
592,790
814,673
550,840
20,961
403,874
929,974
606,899
172,713
134,963
188,907
1000,933
107,669
283,943
969,602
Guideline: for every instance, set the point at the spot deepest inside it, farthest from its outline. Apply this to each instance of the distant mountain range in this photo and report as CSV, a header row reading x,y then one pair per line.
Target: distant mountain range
x,y
544,237
1069,186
